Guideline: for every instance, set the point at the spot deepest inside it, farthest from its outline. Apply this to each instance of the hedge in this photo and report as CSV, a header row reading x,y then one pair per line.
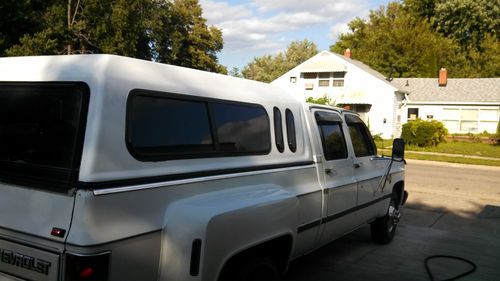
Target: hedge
x,y
424,133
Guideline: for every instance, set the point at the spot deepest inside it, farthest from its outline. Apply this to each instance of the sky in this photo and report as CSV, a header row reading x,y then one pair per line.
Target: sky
x,y
255,28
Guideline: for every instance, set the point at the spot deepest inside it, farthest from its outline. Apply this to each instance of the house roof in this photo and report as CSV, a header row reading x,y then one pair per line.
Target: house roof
x,y
471,90
365,68
323,62
326,61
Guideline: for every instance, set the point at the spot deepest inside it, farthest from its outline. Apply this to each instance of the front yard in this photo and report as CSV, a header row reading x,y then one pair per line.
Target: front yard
x,y
462,152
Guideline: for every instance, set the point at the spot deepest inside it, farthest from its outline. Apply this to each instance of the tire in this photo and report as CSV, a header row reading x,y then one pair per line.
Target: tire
x,y
252,269
384,228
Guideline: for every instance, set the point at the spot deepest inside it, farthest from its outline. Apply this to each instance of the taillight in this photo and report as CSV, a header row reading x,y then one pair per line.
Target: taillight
x,y
87,267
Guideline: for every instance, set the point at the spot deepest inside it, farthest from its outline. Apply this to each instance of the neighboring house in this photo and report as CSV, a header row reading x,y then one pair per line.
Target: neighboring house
x,y
350,84
469,105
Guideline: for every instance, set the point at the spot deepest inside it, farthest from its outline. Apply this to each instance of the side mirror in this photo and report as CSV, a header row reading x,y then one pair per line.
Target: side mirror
x,y
398,149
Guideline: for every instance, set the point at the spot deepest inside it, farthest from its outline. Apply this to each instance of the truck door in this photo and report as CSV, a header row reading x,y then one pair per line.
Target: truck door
x,y
336,176
367,170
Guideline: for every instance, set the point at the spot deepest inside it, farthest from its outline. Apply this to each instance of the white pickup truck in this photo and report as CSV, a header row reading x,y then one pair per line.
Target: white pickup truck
x,y
119,169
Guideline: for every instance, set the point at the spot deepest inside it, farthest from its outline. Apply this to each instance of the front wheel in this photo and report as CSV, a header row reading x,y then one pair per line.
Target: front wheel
x,y
384,228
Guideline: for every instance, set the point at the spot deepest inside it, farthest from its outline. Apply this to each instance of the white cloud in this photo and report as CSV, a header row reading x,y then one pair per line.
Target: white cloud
x,y
318,7
219,12
264,26
337,29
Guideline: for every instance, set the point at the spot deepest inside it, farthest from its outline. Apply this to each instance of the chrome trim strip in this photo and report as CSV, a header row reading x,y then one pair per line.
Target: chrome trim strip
x,y
98,192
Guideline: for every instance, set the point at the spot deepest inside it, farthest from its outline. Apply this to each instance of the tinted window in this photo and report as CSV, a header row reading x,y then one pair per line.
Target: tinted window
x,y
40,132
290,130
278,130
163,126
361,138
241,128
169,126
333,140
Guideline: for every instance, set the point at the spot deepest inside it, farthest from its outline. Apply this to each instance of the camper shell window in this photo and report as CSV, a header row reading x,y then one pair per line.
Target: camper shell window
x,y
165,126
278,130
290,130
41,133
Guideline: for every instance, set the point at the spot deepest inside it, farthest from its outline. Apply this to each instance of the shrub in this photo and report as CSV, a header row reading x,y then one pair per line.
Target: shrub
x,y
424,133
325,100
378,137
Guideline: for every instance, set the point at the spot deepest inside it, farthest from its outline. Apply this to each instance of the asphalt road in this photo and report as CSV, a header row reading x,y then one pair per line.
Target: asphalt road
x,y
478,181
462,189
452,210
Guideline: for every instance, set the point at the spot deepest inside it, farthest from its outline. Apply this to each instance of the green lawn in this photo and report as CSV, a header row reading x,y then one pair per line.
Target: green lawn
x,y
462,148
459,148
449,159
465,148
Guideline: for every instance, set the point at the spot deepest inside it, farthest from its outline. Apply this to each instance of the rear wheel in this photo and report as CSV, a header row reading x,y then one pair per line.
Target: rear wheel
x,y
252,269
384,228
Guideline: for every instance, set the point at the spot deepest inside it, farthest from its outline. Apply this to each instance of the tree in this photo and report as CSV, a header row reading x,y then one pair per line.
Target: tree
x,y
19,17
392,42
417,37
325,100
267,68
166,31
187,40
235,72
468,21
424,9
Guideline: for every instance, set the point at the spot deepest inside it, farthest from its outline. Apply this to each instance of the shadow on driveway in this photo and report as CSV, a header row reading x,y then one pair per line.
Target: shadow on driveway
x,y
423,231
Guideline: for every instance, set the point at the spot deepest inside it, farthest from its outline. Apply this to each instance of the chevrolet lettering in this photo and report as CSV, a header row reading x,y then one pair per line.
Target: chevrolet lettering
x,y
24,261
119,169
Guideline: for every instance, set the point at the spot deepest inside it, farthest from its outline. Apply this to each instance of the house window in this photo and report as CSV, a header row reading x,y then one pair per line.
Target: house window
x,y
293,79
338,83
324,75
339,75
470,120
310,75
412,114
324,83
338,79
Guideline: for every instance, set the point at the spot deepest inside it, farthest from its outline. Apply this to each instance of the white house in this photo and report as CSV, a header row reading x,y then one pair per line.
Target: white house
x,y
470,105
350,84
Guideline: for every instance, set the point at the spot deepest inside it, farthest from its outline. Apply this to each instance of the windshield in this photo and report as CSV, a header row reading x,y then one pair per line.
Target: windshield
x,y
40,133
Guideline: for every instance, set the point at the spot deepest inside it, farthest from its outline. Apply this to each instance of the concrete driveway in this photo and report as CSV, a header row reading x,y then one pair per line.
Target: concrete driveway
x,y
452,210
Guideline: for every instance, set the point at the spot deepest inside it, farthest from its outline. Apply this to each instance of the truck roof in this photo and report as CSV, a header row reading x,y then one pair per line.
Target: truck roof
x,y
99,69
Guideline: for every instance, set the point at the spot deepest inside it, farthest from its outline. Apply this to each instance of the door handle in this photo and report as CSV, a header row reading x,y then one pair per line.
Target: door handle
x,y
357,165
328,171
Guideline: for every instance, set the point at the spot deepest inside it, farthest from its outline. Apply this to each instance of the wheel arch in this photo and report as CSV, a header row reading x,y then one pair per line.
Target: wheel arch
x,y
398,189
278,249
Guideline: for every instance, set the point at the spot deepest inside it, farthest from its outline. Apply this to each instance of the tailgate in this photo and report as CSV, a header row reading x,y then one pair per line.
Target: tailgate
x,y
27,262
28,248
